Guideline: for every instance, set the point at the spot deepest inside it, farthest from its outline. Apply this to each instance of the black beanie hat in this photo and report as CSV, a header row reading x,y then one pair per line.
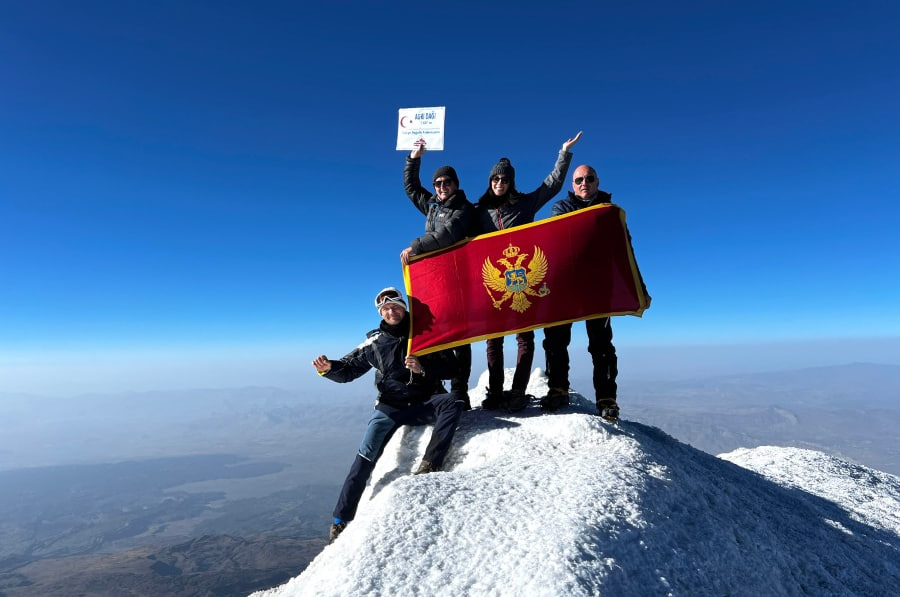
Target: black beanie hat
x,y
445,171
503,168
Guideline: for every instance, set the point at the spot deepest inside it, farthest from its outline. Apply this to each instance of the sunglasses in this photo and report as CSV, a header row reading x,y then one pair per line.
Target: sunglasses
x,y
501,179
588,179
443,182
388,297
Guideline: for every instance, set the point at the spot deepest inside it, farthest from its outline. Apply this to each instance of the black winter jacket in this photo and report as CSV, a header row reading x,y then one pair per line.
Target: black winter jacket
x,y
498,213
445,223
385,350
573,203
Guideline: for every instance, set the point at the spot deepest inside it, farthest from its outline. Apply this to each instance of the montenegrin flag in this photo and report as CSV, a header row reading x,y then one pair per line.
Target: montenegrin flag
x,y
579,265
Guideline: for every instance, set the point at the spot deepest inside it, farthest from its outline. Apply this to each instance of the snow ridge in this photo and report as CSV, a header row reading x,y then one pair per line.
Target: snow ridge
x,y
534,504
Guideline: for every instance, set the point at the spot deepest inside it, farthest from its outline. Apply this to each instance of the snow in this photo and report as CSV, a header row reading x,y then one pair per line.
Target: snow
x,y
871,497
534,504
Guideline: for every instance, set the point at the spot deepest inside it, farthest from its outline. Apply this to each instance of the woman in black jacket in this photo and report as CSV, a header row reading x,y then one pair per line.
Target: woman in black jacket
x,y
503,206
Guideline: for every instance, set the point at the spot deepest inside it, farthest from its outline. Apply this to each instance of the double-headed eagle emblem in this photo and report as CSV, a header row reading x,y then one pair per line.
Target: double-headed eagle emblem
x,y
516,281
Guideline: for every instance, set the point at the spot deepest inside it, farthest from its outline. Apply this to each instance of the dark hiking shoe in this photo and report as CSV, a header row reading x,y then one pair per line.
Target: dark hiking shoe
x,y
426,467
608,409
463,394
514,400
336,529
492,400
555,399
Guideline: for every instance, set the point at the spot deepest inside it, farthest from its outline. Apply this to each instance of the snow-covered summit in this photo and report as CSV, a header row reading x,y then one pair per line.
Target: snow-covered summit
x,y
566,504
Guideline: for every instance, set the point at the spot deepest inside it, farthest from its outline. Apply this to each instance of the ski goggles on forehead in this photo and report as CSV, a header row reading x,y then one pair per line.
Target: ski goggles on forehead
x,y
389,297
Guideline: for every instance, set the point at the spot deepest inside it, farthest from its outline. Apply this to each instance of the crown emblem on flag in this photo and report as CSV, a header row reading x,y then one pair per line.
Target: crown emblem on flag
x,y
511,251
517,280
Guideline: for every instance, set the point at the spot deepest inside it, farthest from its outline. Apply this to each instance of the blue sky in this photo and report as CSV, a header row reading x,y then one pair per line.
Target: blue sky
x,y
216,182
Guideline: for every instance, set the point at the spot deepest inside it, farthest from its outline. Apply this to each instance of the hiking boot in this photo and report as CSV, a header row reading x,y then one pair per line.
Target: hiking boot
x,y
514,400
555,399
426,467
336,529
492,400
463,393
608,409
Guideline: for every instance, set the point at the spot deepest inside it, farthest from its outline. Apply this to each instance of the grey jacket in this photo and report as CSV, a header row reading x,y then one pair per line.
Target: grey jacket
x,y
516,208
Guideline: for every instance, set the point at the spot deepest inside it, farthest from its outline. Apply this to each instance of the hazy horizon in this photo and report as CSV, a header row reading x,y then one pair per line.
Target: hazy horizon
x,y
72,373
845,408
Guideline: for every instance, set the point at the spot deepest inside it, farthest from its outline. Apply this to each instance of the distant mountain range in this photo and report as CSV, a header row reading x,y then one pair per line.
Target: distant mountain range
x,y
852,411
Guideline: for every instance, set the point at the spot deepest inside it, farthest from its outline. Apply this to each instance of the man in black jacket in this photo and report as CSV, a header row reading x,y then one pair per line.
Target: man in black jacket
x,y
409,393
585,193
449,218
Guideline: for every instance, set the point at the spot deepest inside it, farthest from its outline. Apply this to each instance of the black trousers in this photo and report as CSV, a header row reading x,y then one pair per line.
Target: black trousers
x,y
600,346
460,383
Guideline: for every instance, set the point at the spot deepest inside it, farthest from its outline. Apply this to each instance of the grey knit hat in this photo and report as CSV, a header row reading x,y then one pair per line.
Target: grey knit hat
x,y
503,168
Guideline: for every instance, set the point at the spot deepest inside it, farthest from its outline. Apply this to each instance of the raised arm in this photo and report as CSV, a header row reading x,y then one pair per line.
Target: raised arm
x,y
418,194
557,177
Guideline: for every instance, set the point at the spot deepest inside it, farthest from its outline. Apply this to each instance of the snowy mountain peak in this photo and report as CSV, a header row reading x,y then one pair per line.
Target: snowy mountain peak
x,y
536,504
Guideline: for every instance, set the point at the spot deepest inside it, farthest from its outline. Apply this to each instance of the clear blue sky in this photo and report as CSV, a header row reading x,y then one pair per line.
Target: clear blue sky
x,y
180,180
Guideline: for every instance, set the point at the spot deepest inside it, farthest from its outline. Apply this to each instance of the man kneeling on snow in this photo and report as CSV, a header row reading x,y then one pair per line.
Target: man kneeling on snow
x,y
410,392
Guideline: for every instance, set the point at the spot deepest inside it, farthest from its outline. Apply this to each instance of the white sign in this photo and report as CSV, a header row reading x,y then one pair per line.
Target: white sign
x,y
420,123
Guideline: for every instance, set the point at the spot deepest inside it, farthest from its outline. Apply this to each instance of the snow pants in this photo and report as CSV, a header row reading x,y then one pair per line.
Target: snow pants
x,y
441,410
600,346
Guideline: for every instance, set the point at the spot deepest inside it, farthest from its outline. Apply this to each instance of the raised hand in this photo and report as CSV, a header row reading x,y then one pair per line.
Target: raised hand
x,y
419,151
568,144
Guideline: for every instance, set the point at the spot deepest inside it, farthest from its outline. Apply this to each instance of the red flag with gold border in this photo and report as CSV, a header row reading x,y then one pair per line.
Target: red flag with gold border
x,y
566,268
